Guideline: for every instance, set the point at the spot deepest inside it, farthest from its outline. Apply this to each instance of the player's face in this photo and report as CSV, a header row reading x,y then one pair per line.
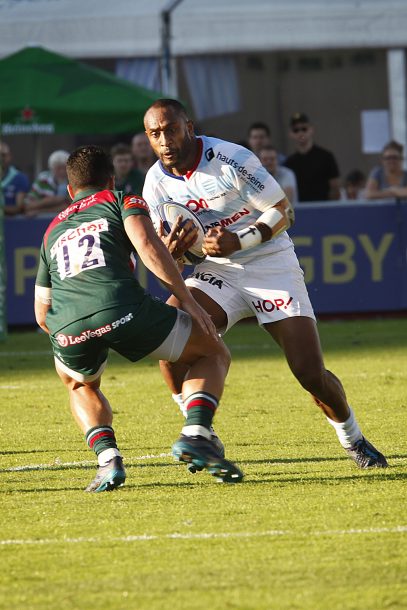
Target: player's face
x,y
171,137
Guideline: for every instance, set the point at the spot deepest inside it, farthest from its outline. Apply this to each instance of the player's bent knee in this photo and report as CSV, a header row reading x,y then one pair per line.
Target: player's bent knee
x,y
201,345
223,354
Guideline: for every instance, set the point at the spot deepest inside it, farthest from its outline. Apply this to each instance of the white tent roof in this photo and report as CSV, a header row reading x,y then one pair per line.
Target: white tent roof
x,y
128,28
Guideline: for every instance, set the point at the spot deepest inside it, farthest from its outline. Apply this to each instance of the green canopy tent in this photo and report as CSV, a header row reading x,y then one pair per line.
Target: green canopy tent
x,y
45,93
42,92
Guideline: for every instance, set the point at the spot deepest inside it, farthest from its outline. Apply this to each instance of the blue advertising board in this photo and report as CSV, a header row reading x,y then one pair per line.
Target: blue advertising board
x,y
353,256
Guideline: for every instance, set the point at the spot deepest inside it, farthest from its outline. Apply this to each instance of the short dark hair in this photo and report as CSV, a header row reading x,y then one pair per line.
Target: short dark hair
x,y
394,145
259,125
89,166
356,176
120,149
169,103
299,117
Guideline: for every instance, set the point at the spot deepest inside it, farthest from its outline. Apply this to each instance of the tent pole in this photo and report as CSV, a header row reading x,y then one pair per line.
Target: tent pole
x,y
168,71
3,284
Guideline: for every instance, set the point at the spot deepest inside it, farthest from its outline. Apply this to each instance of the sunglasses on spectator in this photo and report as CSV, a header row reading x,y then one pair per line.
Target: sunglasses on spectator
x,y
391,157
299,129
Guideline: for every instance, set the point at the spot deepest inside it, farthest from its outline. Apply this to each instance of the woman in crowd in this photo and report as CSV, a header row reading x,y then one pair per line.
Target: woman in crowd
x,y
389,180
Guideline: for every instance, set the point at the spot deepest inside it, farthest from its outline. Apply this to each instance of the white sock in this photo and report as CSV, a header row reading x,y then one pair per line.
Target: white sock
x,y
178,399
108,454
196,430
348,432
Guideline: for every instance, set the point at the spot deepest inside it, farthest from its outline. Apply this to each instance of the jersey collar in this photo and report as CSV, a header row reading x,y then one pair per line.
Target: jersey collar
x,y
197,159
85,193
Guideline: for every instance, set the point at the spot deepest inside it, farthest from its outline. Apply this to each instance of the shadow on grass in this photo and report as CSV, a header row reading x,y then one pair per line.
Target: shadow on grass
x,y
127,487
175,464
203,481
32,451
368,476
300,460
43,489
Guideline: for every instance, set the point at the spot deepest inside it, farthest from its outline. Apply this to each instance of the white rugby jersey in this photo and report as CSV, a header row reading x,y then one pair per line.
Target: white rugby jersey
x,y
227,187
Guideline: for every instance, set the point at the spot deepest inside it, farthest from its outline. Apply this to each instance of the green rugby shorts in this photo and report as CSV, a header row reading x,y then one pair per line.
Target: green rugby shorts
x,y
134,331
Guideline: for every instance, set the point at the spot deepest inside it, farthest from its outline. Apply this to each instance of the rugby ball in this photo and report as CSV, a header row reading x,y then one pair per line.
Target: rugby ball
x,y
168,211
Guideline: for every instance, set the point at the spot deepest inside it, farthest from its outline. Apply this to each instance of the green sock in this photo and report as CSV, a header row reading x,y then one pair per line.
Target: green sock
x,y
200,408
100,438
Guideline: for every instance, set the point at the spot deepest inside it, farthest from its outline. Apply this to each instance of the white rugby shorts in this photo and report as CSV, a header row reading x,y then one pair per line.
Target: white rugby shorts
x,y
271,288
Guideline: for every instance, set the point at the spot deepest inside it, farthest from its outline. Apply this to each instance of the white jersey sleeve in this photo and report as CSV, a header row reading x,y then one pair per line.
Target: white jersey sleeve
x,y
251,181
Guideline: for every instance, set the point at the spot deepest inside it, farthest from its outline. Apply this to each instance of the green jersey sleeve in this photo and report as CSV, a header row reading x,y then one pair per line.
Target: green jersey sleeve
x,y
133,205
43,274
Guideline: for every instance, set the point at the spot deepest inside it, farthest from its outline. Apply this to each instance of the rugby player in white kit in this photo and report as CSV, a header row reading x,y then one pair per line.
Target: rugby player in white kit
x,y
251,268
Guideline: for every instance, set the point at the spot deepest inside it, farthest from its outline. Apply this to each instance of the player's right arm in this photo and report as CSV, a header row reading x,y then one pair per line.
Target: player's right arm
x,y
41,310
43,293
253,185
267,196
159,261
274,220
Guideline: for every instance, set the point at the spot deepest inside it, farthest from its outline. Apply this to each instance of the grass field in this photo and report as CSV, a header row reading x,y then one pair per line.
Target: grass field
x,y
305,530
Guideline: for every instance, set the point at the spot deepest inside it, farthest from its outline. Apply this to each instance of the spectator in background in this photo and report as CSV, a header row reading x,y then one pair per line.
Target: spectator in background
x,y
390,179
285,177
258,137
15,185
127,179
143,155
49,190
354,186
315,168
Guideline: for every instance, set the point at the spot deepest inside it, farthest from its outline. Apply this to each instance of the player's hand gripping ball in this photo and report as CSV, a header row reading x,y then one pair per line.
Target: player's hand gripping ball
x,y
168,212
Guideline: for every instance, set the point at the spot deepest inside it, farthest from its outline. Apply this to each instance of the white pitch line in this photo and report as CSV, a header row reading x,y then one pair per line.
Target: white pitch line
x,y
58,464
399,529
